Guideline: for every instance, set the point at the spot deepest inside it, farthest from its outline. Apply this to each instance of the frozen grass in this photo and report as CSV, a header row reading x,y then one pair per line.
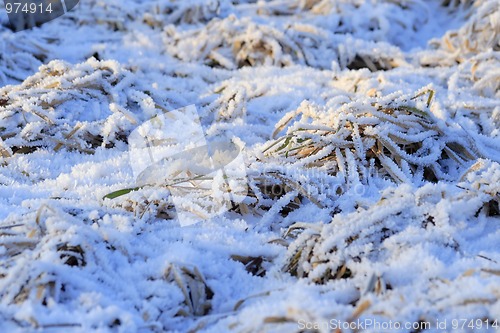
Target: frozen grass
x,y
372,159
79,107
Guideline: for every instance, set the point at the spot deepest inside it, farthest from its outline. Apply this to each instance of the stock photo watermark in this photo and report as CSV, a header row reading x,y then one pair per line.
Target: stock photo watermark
x,y
27,14
381,326
205,177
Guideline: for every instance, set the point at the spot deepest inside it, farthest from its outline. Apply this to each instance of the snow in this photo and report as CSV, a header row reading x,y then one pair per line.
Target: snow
x,y
368,132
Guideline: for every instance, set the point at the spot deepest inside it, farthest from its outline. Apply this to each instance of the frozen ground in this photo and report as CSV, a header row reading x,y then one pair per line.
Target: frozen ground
x,y
372,153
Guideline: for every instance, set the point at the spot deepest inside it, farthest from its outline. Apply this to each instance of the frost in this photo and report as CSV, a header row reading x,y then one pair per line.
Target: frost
x,y
81,107
372,175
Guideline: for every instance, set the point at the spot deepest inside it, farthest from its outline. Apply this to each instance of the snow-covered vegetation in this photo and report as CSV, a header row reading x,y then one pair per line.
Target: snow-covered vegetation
x,y
372,151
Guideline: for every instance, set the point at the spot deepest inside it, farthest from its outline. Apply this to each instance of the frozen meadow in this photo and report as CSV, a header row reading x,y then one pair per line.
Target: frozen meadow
x,y
371,135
